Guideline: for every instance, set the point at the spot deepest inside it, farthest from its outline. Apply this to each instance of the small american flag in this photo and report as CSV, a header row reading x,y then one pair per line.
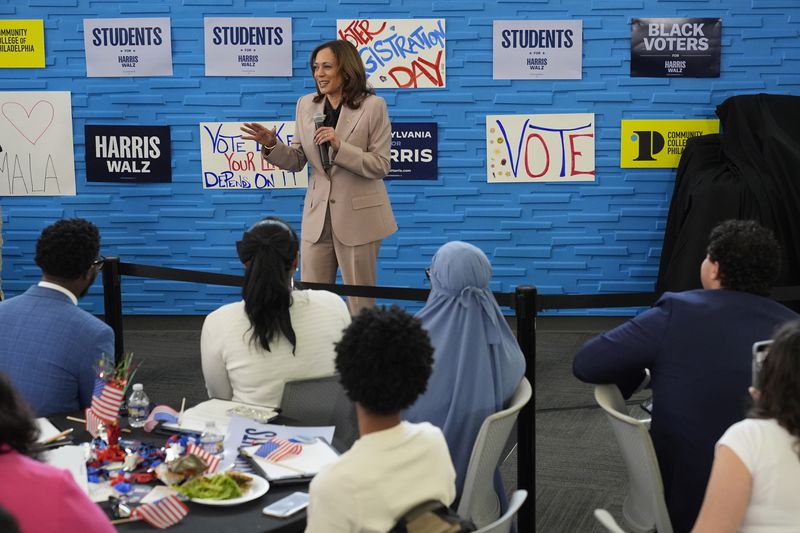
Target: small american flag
x,y
106,404
276,449
160,413
165,512
92,423
211,460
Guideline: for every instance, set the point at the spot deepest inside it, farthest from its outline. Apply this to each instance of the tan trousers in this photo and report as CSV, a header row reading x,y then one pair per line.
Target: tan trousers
x,y
319,261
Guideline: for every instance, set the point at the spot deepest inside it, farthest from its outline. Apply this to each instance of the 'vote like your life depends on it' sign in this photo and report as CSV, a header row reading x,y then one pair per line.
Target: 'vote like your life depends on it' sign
x,y
229,162
36,151
659,143
128,154
248,46
22,43
127,47
539,148
675,47
414,151
399,53
537,49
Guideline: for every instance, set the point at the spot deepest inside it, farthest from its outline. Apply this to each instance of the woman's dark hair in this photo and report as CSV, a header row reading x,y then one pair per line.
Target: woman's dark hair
x,y
17,427
779,381
384,359
351,67
268,250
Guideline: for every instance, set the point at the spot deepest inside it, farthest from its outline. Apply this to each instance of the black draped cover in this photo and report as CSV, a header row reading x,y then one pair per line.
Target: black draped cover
x,y
749,171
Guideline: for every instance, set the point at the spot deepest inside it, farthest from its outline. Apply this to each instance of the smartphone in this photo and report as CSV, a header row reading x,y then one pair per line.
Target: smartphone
x,y
296,501
760,353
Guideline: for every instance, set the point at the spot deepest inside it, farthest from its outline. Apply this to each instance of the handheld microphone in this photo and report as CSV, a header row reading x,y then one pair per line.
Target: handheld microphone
x,y
319,120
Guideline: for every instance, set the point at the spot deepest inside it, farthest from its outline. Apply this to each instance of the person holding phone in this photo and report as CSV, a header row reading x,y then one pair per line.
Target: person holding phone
x,y
755,478
696,345
343,132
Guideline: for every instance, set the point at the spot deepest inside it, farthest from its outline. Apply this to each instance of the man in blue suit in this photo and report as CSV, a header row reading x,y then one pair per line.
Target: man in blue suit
x,y
48,345
697,346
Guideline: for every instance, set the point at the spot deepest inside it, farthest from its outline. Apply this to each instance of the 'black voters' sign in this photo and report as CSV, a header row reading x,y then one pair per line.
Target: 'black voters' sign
x,y
137,154
675,47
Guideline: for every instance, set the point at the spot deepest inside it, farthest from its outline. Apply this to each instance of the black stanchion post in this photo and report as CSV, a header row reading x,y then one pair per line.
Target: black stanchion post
x,y
112,302
526,307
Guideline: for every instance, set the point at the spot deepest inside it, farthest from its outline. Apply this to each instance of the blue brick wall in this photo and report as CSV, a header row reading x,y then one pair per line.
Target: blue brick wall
x,y
565,238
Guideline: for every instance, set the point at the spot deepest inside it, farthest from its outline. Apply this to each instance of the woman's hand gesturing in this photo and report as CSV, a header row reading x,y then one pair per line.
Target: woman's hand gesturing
x,y
260,134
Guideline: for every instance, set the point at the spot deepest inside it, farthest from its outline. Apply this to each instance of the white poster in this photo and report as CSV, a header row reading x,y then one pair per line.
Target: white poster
x,y
248,46
229,162
399,53
36,153
537,49
127,47
537,148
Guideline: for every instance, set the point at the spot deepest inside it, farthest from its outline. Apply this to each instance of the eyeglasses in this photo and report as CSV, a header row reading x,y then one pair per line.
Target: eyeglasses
x,y
98,263
428,272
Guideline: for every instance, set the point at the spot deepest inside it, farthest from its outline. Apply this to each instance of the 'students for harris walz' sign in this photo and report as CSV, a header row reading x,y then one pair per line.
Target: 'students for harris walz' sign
x,y
132,154
675,47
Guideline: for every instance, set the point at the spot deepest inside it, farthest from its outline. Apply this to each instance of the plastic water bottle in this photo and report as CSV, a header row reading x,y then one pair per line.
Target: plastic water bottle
x,y
211,440
138,406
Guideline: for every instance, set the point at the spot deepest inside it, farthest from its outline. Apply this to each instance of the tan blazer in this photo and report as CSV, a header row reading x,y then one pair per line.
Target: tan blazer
x,y
354,190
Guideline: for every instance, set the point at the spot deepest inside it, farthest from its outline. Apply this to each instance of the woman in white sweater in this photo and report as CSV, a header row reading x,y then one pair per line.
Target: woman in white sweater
x,y
275,334
755,480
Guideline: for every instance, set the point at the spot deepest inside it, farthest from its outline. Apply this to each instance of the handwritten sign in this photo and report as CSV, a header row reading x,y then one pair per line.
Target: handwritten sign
x,y
537,49
534,148
22,43
229,162
248,46
36,153
399,53
659,143
127,47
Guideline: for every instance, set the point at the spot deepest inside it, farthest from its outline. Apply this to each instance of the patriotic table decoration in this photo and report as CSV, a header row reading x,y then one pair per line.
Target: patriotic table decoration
x,y
277,449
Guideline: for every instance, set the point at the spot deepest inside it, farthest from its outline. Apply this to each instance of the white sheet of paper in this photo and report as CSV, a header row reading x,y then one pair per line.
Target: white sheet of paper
x,y
70,458
195,418
244,432
308,462
46,429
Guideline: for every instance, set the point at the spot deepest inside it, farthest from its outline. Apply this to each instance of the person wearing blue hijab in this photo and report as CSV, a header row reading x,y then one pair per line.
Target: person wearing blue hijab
x,y
478,363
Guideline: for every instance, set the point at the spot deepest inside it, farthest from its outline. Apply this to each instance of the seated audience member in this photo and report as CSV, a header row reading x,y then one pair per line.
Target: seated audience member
x,y
49,347
384,360
40,497
251,348
477,362
697,346
755,479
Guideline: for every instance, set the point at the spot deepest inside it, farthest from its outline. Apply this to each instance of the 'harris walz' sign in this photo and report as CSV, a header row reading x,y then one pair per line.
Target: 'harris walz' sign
x,y
137,154
681,47
414,151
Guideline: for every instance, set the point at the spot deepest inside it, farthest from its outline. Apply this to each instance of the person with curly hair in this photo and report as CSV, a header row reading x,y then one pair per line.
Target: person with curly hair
x,y
696,347
39,497
755,478
384,360
251,348
48,345
343,132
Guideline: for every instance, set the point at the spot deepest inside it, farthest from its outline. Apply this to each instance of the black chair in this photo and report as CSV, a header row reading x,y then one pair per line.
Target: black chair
x,y
322,402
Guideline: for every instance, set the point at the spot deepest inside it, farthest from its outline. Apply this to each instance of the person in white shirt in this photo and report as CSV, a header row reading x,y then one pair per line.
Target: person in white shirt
x,y
384,359
251,348
755,480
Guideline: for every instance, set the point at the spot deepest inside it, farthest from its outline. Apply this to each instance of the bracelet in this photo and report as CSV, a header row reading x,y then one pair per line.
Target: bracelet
x,y
269,149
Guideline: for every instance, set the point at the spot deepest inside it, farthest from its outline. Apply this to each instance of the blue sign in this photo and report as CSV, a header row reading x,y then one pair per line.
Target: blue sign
x,y
128,154
414,151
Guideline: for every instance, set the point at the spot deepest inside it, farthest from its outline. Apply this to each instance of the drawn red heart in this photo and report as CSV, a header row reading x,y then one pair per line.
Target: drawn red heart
x,y
31,125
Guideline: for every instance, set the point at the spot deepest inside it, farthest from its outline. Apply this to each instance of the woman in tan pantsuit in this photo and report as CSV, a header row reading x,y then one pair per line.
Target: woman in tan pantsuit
x,y
347,212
